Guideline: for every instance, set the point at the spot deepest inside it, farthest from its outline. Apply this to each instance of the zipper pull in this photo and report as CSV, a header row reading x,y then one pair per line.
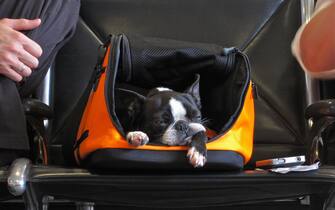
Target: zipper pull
x,y
229,50
254,90
99,70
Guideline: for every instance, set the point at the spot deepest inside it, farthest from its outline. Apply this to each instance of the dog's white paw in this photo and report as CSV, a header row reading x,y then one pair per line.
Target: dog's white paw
x,y
137,138
196,158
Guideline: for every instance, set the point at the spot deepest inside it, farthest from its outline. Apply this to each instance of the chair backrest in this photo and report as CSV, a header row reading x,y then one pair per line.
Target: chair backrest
x,y
262,28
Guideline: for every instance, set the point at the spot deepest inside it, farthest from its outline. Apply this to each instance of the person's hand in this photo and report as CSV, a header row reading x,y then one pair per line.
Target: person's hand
x,y
18,53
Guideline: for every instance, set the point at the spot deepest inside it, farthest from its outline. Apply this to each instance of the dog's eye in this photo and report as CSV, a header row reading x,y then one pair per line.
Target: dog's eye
x,y
160,122
197,118
166,117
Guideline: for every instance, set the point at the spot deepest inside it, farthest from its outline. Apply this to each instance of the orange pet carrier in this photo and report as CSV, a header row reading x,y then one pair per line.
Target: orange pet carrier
x,y
145,63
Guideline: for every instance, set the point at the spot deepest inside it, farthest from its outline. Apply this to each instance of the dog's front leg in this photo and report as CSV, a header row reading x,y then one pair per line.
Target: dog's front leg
x,y
137,138
197,153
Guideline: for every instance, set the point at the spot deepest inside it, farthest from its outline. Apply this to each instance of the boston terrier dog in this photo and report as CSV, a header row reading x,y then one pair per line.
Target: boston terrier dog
x,y
169,117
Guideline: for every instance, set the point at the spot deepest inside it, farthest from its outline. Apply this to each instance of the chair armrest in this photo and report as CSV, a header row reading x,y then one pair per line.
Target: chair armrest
x,y
36,112
18,176
36,108
322,116
323,108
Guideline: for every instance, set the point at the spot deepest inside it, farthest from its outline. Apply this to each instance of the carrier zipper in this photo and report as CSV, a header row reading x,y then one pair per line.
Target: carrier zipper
x,y
99,69
126,59
111,72
224,130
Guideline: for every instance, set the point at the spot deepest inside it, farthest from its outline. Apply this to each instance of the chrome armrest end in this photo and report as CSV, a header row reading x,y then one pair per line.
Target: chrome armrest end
x,y
18,176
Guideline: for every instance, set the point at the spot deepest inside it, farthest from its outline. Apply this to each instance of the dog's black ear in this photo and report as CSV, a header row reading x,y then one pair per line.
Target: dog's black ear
x,y
135,107
128,107
194,90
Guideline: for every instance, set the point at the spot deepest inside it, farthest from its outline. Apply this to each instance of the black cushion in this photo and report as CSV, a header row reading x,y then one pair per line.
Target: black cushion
x,y
160,189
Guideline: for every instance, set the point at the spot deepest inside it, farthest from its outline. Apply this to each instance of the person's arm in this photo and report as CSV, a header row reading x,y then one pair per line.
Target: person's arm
x,y
314,44
18,54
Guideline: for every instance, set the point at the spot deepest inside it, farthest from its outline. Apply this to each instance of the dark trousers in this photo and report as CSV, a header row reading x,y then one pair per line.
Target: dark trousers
x,y
59,18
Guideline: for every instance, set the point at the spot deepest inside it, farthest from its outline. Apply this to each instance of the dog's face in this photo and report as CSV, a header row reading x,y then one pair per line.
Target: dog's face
x,y
171,117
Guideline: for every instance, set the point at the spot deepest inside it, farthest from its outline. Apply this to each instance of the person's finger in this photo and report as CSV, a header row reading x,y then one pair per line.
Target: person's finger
x,y
27,58
23,24
21,68
12,74
29,45
15,64
18,51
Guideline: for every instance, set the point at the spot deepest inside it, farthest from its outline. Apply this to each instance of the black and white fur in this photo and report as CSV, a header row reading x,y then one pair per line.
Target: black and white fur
x,y
171,118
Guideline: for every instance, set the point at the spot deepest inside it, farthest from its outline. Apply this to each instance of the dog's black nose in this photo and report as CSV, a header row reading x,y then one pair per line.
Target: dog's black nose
x,y
182,126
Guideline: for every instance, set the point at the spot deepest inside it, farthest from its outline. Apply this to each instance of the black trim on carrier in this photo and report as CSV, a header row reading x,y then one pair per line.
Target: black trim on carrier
x,y
112,159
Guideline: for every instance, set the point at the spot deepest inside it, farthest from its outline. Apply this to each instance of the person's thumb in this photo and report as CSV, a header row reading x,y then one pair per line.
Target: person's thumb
x,y
23,24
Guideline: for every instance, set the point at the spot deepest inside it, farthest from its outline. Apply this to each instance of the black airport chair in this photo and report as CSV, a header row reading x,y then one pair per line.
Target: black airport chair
x,y
264,30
